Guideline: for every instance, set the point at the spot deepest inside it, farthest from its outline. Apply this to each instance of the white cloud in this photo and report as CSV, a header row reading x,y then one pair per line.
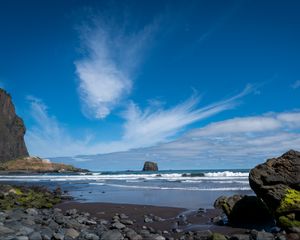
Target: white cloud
x,y
107,70
142,128
238,125
233,143
48,137
296,84
154,125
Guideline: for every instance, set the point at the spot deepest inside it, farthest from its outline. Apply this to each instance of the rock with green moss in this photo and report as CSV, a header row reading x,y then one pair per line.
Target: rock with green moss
x,y
26,197
277,183
218,236
288,212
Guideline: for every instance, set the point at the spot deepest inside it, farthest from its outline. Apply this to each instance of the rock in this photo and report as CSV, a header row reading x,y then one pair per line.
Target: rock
x,y
58,236
112,235
132,235
240,237
244,211
25,231
126,221
150,166
205,234
72,233
277,183
218,236
35,236
148,220
22,238
5,230
46,233
12,130
32,211
118,225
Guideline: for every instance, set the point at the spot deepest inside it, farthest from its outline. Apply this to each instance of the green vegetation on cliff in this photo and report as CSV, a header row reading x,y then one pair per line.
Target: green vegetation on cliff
x,y
35,164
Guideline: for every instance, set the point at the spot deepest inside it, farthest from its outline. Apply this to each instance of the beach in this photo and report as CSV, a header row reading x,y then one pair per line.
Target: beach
x,y
195,220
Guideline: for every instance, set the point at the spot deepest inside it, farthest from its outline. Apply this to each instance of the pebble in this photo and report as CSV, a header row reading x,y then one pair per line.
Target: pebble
x,y
53,224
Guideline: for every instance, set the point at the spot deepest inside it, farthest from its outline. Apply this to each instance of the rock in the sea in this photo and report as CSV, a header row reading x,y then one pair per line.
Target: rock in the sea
x,y
277,183
12,130
150,166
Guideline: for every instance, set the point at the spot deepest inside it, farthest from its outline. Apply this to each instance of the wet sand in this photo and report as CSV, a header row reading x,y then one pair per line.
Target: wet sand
x,y
197,221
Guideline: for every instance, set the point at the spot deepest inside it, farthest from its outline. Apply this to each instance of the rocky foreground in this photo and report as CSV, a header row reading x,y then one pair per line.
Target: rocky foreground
x,y
48,224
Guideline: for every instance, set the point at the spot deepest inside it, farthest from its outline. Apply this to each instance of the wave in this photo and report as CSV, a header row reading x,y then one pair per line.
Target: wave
x,y
175,188
170,177
226,174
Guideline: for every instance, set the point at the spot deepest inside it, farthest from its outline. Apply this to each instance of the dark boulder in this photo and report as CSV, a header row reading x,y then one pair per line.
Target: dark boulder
x,y
245,211
12,130
277,183
150,166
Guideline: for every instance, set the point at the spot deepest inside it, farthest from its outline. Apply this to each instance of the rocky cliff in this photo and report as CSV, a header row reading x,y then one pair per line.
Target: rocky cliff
x,y
12,130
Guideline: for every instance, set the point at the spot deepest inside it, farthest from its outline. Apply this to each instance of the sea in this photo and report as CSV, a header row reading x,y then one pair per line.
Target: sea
x,y
191,189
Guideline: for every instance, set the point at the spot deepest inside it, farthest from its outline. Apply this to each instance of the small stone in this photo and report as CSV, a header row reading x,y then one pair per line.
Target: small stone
x,y
132,235
31,211
159,238
240,237
46,233
158,219
118,225
264,236
5,230
112,235
71,232
218,236
126,221
22,238
71,212
35,236
148,220
25,231
123,216
90,222
58,236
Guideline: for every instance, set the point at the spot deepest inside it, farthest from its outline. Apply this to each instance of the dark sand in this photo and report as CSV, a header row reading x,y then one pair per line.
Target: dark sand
x,y
197,221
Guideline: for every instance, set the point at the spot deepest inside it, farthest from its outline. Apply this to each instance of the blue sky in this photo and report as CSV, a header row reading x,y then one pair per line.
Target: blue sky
x,y
203,84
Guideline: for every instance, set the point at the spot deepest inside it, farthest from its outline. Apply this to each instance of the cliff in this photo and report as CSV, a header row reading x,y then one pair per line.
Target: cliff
x,y
12,130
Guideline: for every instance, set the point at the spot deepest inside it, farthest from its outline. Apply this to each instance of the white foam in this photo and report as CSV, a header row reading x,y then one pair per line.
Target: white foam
x,y
221,176
226,174
175,188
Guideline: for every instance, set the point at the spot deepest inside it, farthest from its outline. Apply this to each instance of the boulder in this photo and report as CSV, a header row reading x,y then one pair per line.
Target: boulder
x,y
12,130
277,183
150,166
243,211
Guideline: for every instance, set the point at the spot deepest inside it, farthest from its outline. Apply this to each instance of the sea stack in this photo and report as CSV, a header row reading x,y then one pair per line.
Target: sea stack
x,y
12,130
150,166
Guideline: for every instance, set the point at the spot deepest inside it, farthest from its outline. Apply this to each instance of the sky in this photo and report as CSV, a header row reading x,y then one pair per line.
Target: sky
x,y
107,85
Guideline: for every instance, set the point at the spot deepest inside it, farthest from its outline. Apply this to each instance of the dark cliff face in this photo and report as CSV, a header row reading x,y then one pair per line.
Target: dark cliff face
x,y
12,130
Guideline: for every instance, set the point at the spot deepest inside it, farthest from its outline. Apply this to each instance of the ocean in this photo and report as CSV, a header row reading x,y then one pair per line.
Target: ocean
x,y
189,189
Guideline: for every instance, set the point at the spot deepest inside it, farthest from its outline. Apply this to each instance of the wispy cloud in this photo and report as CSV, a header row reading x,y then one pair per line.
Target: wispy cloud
x,y
107,69
233,143
142,128
48,137
296,84
154,125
